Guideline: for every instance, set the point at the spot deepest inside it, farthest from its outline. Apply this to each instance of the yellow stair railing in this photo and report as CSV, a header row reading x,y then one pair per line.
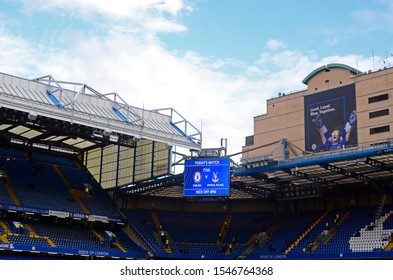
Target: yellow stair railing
x,y
99,236
3,238
50,242
72,192
4,226
156,220
304,234
120,247
7,185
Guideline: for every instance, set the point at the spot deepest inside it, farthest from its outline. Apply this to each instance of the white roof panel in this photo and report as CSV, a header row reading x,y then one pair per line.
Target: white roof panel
x,y
85,106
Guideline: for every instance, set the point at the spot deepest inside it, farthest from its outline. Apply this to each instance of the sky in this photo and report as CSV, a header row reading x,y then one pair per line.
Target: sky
x,y
216,62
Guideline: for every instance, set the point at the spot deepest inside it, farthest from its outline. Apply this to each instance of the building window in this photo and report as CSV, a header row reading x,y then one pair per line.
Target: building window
x,y
250,140
384,112
378,98
381,129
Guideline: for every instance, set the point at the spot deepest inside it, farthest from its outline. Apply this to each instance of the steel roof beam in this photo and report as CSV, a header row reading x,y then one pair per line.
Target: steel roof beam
x,y
303,175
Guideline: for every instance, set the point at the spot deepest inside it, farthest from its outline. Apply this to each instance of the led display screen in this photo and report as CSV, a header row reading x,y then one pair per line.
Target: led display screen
x,y
207,177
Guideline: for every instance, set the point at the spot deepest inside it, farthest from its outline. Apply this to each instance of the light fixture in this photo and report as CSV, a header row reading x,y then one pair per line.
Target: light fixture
x,y
113,138
97,134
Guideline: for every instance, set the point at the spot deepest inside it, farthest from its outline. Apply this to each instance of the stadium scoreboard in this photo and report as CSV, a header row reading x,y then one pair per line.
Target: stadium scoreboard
x,y
207,177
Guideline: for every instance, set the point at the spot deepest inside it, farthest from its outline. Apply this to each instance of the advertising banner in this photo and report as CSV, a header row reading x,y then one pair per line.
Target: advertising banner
x,y
330,119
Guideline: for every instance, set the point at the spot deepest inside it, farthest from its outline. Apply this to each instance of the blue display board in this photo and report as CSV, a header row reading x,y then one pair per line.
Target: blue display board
x,y
207,177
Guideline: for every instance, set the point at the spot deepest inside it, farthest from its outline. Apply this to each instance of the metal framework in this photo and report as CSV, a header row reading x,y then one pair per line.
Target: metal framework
x,y
308,175
104,115
119,143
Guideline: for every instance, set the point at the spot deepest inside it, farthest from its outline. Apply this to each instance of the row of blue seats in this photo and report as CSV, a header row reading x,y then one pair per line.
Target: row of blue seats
x,y
68,236
10,152
289,229
38,185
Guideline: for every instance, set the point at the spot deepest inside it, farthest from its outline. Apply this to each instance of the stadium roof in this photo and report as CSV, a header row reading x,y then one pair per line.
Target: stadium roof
x,y
309,175
327,68
44,111
301,176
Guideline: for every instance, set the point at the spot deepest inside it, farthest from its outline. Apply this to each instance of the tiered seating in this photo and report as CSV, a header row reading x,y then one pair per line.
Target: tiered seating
x,y
358,218
4,196
196,233
127,243
99,203
15,235
318,231
76,236
191,226
53,159
34,182
196,249
69,236
193,232
27,240
143,222
245,225
8,152
41,181
388,224
292,228
372,236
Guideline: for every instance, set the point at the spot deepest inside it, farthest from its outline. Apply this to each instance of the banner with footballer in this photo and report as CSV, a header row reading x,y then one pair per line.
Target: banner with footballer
x,y
330,119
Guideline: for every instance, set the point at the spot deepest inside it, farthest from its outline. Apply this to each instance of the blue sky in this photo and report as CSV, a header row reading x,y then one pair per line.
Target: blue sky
x,y
240,29
214,61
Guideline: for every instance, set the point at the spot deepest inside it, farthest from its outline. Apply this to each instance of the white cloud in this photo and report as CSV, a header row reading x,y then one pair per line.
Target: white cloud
x,y
163,25
275,45
149,15
113,8
17,55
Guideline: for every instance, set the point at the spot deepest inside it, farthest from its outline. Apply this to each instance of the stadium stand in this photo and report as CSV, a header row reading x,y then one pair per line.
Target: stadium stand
x,y
85,176
191,234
